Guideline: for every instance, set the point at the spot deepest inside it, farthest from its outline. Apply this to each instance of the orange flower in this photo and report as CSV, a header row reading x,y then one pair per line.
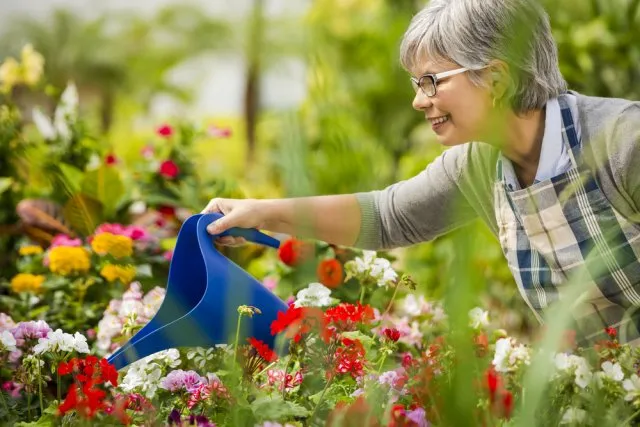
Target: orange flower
x,y
330,273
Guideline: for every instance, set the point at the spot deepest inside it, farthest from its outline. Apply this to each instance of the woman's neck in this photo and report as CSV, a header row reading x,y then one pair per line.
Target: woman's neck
x,y
523,143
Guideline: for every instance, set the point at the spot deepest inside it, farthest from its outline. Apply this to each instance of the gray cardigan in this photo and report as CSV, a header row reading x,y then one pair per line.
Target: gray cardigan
x,y
457,187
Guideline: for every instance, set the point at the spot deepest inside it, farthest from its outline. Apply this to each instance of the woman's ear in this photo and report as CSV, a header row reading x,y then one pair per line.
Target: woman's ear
x,y
499,79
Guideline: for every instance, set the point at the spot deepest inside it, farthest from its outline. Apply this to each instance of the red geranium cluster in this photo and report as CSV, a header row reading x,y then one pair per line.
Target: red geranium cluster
x,y
298,321
293,251
330,273
85,395
263,350
346,317
350,358
500,398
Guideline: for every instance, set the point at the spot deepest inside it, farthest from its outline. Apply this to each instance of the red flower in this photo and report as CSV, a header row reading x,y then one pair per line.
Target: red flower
x,y
263,350
165,131
330,273
611,332
482,344
349,358
298,321
84,395
493,383
110,159
169,169
167,211
346,316
407,361
392,334
292,251
219,132
507,403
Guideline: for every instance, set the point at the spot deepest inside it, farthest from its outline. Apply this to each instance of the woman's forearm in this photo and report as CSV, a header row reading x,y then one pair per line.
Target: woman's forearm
x,y
332,219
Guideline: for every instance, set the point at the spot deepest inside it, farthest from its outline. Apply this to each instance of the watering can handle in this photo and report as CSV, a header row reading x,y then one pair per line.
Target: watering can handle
x,y
250,234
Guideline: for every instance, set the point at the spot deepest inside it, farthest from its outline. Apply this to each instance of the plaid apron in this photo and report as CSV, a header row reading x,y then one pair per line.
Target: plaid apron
x,y
557,227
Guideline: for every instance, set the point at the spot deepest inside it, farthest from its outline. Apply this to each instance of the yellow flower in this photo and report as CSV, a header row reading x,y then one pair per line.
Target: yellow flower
x,y
9,74
25,282
30,250
113,244
32,65
65,260
124,273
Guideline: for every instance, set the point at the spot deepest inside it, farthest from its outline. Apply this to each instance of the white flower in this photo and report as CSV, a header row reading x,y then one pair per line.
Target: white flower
x,y
508,356
108,327
370,267
574,416
315,295
632,386
613,371
138,208
576,365
58,341
65,114
478,318
7,341
143,376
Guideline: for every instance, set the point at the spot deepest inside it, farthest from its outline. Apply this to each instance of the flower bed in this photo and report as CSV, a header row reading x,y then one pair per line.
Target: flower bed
x,y
355,362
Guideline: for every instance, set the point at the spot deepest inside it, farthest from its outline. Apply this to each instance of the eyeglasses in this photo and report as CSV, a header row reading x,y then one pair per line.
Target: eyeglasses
x,y
428,83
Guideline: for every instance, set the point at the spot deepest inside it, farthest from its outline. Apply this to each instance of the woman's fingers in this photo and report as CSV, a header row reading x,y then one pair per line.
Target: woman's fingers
x,y
231,241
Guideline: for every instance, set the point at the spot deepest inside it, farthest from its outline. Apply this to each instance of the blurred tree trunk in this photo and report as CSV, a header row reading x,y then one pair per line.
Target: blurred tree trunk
x,y
255,32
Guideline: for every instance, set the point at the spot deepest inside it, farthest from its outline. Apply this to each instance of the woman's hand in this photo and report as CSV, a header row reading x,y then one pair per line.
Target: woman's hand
x,y
244,213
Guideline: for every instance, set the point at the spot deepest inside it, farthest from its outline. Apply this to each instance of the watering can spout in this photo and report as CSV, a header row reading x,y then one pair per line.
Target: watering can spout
x,y
204,291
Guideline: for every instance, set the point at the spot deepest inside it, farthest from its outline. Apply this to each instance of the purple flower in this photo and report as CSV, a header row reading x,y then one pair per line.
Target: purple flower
x,y
418,416
179,379
174,418
192,420
32,330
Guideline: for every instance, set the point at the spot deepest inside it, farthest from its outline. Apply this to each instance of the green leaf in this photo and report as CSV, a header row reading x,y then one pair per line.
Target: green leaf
x,y
72,177
366,340
104,185
84,213
274,408
5,184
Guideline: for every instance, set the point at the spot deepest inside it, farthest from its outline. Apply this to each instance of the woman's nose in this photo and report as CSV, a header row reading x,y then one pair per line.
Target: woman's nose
x,y
421,101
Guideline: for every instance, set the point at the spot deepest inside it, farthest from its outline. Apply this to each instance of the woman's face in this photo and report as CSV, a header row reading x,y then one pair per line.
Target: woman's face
x,y
464,106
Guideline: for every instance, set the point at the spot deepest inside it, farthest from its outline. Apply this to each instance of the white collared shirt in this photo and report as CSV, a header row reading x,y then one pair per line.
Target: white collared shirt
x,y
554,154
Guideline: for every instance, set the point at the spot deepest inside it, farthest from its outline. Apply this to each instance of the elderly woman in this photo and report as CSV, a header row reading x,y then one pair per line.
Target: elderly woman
x,y
552,176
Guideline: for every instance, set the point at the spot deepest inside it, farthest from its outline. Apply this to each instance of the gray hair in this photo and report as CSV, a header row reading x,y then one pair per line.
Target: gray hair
x,y
472,33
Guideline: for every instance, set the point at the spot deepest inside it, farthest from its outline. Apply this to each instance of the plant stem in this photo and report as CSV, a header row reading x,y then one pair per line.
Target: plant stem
x,y
4,402
628,420
59,386
384,356
393,297
40,388
268,366
284,379
324,390
235,351
28,407
362,290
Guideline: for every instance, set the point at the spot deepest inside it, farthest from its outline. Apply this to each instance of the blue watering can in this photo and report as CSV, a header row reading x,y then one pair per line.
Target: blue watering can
x,y
204,291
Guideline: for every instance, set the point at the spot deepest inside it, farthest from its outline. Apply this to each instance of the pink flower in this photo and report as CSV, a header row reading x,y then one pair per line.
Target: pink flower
x,y
169,169
91,333
6,322
219,132
168,255
165,131
64,240
12,388
270,283
31,330
276,377
147,151
134,232
418,416
179,379
291,300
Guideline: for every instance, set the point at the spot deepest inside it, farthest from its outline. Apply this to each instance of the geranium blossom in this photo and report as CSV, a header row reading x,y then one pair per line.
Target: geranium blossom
x,y
143,376
315,295
179,380
7,341
31,330
370,267
509,355
59,341
632,387
478,318
575,365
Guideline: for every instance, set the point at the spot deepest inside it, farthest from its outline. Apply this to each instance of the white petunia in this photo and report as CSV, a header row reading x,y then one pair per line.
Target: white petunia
x,y
576,365
613,371
58,341
7,341
315,295
143,376
574,416
478,318
369,266
508,356
632,387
